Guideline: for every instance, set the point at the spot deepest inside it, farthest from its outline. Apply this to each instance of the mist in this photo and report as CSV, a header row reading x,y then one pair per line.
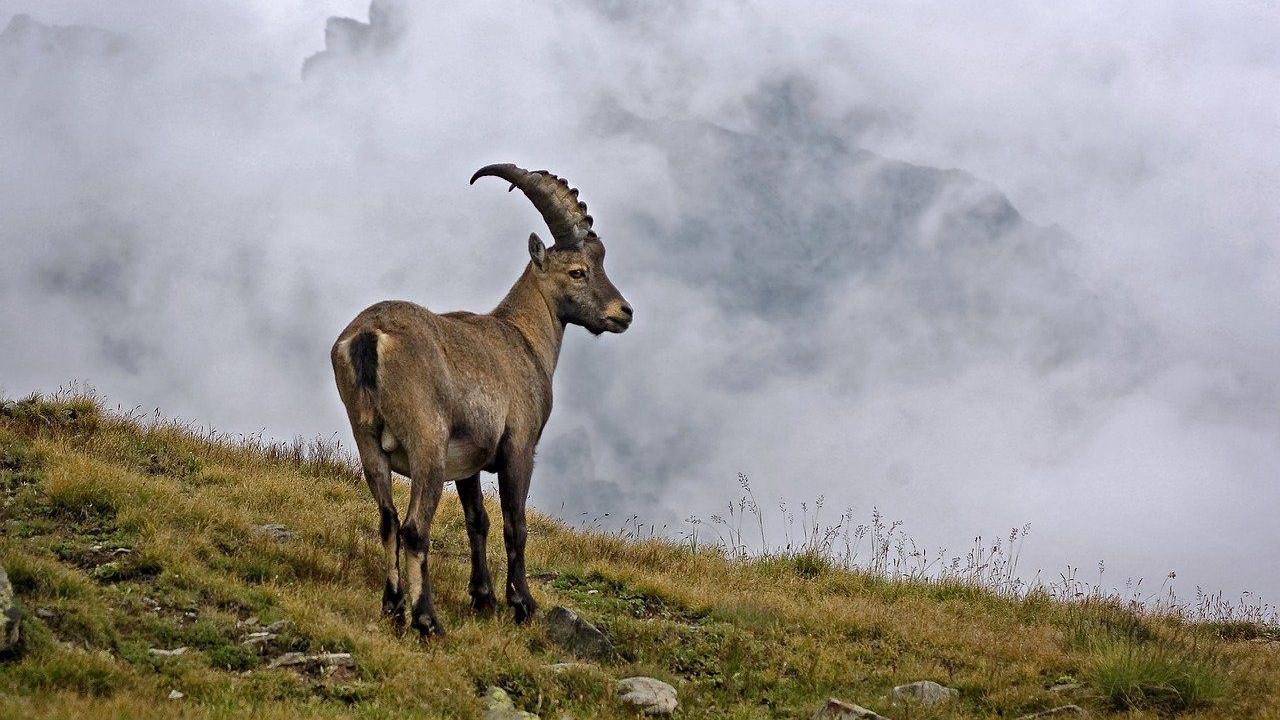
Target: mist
x,y
976,267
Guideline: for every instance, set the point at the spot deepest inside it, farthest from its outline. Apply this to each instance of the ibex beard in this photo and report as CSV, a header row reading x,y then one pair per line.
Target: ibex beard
x,y
442,397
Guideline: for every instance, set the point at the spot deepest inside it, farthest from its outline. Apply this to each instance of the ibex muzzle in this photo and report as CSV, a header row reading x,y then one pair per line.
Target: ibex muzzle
x,y
442,397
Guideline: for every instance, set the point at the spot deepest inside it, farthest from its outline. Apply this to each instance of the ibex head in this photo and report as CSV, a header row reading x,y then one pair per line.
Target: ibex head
x,y
571,272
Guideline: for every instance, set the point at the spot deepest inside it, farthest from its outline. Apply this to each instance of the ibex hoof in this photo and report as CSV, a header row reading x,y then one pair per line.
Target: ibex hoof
x,y
482,601
524,609
428,626
393,603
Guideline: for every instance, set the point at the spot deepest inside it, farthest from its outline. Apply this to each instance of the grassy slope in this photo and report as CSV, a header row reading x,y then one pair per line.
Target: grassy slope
x,y
767,638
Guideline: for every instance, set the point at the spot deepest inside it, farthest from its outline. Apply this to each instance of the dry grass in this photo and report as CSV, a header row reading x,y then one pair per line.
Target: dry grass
x,y
738,636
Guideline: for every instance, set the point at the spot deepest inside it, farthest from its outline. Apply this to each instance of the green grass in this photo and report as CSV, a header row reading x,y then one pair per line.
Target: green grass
x,y
122,535
1160,674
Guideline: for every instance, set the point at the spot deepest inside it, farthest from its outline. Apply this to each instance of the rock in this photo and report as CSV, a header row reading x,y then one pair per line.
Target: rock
x,y
580,637
1065,711
834,709
334,659
570,666
275,530
276,626
10,613
288,659
168,653
924,692
317,660
258,638
498,706
176,695
649,695
45,613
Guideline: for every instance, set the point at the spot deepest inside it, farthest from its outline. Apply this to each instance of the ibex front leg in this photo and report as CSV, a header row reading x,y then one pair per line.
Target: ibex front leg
x,y
513,488
481,585
427,472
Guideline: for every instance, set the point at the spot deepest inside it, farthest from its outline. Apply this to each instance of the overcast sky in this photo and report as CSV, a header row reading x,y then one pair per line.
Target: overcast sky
x,y
979,266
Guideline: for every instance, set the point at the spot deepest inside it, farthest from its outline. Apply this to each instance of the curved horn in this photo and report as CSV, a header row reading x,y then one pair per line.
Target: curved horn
x,y
566,216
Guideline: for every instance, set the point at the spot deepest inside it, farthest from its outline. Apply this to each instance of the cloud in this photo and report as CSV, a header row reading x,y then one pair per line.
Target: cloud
x,y
977,266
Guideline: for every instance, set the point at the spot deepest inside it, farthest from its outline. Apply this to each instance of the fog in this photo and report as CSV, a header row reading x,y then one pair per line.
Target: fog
x,y
977,267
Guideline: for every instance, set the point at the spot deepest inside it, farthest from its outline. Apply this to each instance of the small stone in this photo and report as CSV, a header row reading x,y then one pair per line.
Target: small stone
x,y
834,709
10,614
498,706
276,626
251,621
334,659
167,653
288,659
580,637
561,667
320,660
925,692
1065,711
176,695
649,695
45,613
258,638
276,530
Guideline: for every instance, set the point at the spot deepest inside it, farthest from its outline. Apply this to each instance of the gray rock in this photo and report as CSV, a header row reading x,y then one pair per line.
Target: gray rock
x,y
176,695
834,709
580,637
277,531
648,695
924,692
498,706
562,667
289,659
333,659
159,652
1065,711
10,613
277,626
322,660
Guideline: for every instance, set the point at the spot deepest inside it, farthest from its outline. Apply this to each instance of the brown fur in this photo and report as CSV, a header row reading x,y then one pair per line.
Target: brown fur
x,y
457,393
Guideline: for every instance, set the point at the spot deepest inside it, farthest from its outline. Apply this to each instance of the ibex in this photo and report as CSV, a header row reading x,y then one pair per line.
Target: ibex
x,y
441,397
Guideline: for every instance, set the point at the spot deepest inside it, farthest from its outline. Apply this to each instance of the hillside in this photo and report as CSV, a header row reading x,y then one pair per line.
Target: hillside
x,y
126,539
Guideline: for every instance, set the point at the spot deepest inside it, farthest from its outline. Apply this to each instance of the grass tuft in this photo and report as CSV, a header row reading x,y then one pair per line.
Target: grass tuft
x,y
1164,674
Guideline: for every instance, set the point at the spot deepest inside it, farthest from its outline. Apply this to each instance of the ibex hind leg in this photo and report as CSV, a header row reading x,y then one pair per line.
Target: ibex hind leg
x,y
377,473
426,461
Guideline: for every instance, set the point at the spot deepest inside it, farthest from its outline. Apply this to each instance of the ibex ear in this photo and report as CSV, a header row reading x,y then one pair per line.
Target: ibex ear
x,y
537,250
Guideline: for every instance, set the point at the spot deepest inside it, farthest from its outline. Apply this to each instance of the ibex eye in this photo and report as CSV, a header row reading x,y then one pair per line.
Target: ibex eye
x,y
577,274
